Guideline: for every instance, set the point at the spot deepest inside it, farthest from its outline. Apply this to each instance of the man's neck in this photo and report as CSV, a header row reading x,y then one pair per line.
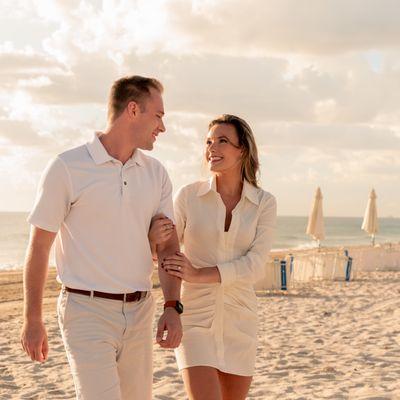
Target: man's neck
x,y
116,144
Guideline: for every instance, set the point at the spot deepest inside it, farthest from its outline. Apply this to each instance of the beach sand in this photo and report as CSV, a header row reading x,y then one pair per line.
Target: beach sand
x,y
326,340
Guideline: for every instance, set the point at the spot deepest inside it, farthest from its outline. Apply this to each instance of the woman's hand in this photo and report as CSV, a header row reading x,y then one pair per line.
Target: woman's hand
x,y
161,229
178,265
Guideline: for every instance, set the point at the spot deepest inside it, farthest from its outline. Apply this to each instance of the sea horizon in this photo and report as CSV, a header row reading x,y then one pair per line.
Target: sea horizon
x,y
290,235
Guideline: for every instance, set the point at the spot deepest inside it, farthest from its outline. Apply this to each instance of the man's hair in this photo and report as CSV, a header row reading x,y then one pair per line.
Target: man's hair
x,y
250,164
130,88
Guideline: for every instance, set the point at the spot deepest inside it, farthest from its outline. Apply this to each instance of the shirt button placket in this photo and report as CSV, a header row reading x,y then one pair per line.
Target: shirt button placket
x,y
122,181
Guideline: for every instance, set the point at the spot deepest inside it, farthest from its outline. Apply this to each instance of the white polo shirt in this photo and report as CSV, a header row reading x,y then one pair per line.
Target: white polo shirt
x,y
102,211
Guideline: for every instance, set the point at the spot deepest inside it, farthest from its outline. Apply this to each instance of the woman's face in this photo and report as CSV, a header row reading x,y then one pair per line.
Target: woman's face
x,y
223,153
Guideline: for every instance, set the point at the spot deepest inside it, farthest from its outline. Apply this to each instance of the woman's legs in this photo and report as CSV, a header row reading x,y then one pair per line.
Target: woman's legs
x,y
208,383
234,387
202,383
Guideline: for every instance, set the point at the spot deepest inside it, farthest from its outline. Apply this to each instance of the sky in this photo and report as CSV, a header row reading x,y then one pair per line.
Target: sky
x,y
318,82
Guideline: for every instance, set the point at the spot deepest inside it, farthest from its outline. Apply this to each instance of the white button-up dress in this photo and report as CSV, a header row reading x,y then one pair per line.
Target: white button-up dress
x,y
220,319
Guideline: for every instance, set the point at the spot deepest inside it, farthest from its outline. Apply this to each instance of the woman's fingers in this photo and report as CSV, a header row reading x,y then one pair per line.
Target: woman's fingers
x,y
167,263
164,223
174,268
163,230
158,217
160,233
175,257
166,235
178,274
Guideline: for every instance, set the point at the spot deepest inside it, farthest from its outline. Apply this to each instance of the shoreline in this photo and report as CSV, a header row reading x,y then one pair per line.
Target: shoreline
x,y
281,252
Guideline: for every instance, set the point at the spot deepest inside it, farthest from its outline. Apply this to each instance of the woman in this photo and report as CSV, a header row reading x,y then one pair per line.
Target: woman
x,y
226,227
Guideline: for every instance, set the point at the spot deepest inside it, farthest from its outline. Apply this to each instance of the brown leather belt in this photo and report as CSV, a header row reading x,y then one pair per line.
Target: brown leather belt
x,y
127,297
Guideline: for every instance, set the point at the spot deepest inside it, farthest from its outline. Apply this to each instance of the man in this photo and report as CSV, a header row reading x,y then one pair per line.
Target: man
x,y
97,201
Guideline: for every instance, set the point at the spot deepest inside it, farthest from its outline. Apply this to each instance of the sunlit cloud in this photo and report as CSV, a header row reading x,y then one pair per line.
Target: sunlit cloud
x,y
319,82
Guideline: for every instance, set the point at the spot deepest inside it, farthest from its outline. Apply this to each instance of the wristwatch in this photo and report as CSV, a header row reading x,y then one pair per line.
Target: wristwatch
x,y
175,304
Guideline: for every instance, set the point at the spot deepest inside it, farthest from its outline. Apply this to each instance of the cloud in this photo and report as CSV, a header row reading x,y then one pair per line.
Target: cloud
x,y
319,82
328,137
25,61
21,133
257,88
286,26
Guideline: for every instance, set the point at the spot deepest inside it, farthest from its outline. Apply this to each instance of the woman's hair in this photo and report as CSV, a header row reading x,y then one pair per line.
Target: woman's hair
x,y
131,88
250,164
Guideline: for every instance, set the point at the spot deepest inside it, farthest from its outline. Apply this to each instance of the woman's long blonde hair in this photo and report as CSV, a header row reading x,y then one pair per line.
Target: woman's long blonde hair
x,y
250,164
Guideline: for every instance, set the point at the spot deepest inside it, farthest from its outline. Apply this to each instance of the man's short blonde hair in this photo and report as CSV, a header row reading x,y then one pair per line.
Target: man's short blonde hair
x,y
131,88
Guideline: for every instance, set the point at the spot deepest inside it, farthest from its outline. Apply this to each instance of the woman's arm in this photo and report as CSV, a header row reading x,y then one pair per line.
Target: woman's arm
x,y
179,265
249,267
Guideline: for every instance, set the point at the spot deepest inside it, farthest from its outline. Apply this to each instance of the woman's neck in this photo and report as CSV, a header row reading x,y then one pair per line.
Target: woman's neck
x,y
229,184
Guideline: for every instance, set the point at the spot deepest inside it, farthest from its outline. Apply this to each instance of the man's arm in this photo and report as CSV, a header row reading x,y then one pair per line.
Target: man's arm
x,y
171,287
33,334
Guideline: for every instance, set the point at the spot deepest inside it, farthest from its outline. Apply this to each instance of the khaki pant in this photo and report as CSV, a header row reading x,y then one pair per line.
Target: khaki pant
x,y
109,346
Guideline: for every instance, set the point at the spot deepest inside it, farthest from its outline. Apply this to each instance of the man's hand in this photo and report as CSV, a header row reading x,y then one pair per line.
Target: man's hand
x,y
33,333
34,340
169,321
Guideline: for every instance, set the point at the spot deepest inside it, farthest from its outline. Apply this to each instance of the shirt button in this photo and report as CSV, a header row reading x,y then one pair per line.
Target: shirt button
x,y
125,183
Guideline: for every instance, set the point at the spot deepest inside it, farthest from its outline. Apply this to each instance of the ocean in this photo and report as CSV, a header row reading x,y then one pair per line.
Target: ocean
x,y
14,235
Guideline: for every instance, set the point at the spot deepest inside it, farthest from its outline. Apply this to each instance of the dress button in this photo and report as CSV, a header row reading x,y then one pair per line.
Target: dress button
x,y
125,183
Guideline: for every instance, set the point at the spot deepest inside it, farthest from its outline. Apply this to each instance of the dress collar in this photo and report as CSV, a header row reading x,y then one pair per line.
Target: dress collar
x,y
249,191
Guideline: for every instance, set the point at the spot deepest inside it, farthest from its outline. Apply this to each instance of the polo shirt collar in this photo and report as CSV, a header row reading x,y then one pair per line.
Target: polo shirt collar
x,y
100,156
137,157
249,191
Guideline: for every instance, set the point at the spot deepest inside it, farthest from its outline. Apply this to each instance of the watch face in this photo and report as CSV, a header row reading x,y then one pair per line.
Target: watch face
x,y
179,307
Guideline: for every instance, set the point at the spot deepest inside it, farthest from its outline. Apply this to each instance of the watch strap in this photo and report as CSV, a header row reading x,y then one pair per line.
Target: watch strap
x,y
170,303
175,304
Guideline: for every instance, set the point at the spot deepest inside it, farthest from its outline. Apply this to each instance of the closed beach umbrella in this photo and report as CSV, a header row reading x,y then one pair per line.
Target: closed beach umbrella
x,y
370,223
315,227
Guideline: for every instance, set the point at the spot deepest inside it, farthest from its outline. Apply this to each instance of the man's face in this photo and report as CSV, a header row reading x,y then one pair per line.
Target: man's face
x,y
149,121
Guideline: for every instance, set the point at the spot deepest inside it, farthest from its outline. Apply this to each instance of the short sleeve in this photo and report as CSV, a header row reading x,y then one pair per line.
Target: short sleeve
x,y
251,266
166,205
53,197
180,213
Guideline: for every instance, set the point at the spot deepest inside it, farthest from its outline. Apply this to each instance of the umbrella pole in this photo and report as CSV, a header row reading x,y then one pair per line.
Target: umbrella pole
x,y
373,240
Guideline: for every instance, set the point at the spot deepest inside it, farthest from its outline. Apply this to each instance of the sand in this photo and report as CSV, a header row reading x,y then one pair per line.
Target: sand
x,y
326,340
